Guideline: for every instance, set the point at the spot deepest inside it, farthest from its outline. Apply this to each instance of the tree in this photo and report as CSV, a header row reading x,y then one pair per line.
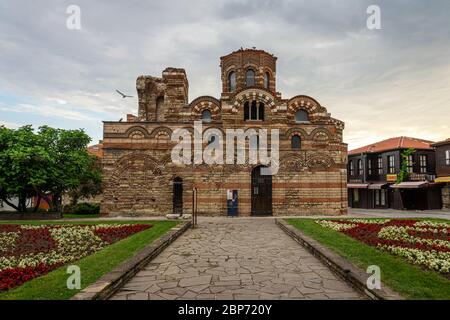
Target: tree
x,y
90,184
403,174
45,164
22,165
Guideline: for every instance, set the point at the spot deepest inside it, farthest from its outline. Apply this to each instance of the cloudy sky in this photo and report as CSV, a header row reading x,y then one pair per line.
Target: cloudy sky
x,y
382,83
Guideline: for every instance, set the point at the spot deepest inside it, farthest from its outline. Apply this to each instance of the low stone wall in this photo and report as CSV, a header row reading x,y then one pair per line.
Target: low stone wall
x,y
343,268
108,284
30,216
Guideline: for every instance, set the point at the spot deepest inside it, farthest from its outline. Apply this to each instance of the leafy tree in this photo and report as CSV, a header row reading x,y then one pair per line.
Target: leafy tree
x,y
404,174
90,184
45,164
22,165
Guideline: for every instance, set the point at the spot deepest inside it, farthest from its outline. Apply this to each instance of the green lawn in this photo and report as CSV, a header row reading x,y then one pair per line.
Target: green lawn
x,y
53,285
409,280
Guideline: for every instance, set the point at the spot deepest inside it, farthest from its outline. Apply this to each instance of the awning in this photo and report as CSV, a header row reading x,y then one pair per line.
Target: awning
x,y
357,185
377,185
442,180
410,185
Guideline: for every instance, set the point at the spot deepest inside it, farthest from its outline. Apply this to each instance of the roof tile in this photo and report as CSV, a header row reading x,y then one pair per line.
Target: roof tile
x,y
392,144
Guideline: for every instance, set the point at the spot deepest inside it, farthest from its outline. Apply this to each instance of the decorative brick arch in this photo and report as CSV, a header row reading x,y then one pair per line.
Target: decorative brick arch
x,y
253,94
129,160
296,131
321,136
319,161
136,132
310,105
293,162
161,131
205,103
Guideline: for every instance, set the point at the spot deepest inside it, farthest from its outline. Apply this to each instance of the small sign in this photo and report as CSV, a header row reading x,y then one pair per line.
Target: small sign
x,y
391,177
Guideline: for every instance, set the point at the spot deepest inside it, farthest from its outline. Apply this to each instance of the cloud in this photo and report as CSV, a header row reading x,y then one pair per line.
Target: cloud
x,y
381,83
11,125
49,111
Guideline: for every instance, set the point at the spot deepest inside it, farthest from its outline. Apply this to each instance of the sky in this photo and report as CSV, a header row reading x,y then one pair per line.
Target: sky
x,y
382,83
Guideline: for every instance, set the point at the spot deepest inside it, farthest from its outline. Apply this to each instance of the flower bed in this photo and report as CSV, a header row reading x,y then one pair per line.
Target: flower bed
x,y
423,243
29,251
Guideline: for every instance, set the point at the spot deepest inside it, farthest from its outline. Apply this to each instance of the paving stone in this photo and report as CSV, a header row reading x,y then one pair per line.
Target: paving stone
x,y
195,281
295,294
239,296
138,296
235,259
154,288
199,288
178,291
168,284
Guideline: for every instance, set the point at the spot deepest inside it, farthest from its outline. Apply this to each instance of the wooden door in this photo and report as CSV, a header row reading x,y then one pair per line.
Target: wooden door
x,y
261,193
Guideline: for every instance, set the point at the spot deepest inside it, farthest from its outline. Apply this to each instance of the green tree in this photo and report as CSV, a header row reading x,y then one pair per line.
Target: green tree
x,y
45,164
22,165
90,183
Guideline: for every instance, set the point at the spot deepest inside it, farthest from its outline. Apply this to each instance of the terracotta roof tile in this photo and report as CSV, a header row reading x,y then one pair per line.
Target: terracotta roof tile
x,y
392,144
96,150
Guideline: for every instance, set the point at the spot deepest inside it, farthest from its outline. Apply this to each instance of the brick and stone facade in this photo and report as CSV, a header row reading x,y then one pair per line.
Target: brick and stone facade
x,y
139,174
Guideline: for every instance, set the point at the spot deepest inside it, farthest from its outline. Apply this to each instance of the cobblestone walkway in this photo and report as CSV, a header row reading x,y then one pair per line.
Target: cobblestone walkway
x,y
236,259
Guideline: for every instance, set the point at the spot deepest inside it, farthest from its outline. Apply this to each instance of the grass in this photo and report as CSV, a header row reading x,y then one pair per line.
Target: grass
x,y
409,280
52,286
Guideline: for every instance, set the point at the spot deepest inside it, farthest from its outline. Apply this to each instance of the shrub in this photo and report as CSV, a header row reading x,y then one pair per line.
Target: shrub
x,y
83,208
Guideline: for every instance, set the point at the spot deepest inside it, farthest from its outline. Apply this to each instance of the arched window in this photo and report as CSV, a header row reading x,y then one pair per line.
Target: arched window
x,y
296,142
266,80
253,110
159,108
352,169
206,116
232,81
261,111
250,78
246,111
301,116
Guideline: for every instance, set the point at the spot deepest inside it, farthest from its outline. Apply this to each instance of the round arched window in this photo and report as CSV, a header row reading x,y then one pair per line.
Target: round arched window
x,y
250,78
232,81
296,142
266,80
301,116
206,116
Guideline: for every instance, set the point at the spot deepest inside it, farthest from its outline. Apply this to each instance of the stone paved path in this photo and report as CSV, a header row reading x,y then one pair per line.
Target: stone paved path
x,y
237,258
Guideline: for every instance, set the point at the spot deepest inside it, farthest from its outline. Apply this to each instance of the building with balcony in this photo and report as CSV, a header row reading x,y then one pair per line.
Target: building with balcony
x,y
373,171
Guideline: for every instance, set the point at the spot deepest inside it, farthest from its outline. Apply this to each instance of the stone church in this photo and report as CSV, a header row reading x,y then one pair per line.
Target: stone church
x,y
140,177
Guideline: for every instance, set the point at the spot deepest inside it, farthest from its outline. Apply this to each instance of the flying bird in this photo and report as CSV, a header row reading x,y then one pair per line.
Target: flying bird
x,y
123,95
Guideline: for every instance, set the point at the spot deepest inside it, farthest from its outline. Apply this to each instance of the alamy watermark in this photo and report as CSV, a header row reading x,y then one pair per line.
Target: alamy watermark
x,y
74,280
374,280
73,21
374,20
213,153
